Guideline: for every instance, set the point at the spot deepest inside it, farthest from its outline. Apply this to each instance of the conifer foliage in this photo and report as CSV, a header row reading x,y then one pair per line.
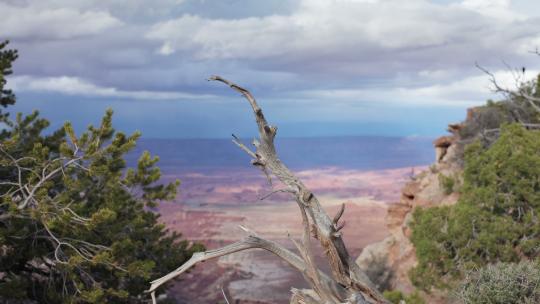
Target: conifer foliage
x,y
6,59
496,218
76,224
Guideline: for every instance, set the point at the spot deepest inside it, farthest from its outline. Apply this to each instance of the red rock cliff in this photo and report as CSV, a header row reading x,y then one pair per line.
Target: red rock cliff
x,y
423,190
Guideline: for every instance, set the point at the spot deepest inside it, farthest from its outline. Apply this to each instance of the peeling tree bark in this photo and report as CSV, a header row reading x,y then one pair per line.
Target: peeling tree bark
x,y
347,283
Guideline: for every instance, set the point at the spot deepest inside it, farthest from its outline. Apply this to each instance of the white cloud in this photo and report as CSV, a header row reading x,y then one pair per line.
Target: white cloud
x,y
131,10
499,9
411,51
166,49
469,91
57,23
76,86
210,38
345,28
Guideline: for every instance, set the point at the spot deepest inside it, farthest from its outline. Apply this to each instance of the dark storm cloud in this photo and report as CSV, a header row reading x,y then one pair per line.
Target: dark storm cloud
x,y
355,56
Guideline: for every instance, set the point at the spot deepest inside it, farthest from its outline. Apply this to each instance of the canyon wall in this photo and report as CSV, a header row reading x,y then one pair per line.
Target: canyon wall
x,y
423,190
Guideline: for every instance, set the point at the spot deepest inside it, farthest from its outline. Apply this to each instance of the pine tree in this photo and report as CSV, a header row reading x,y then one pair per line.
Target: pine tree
x,y
495,219
6,60
76,225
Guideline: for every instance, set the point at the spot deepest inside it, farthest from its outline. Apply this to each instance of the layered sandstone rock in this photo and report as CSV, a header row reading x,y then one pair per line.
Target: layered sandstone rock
x,y
424,190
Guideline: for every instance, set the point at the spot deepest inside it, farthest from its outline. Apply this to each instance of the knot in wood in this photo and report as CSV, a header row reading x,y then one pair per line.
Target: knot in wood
x,y
307,196
314,232
258,162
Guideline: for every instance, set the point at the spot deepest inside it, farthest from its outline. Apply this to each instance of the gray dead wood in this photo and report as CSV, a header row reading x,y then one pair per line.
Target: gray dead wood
x,y
518,92
347,283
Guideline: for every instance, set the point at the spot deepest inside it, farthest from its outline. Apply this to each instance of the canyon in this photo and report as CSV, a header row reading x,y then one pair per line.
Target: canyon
x,y
212,206
220,190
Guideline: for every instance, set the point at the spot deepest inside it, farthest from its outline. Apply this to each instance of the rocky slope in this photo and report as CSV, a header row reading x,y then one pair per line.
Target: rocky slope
x,y
424,190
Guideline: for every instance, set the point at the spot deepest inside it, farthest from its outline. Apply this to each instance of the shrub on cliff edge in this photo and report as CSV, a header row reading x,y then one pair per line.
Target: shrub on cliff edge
x,y
502,283
496,218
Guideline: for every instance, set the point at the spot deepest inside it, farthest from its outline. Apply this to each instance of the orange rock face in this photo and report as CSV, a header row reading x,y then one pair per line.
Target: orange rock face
x,y
396,213
443,142
423,191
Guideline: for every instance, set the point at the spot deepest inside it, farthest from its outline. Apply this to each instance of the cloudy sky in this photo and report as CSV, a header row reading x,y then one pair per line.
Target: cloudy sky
x,y
318,67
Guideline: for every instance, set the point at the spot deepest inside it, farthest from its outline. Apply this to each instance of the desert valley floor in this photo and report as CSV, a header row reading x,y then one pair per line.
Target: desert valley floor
x,y
220,190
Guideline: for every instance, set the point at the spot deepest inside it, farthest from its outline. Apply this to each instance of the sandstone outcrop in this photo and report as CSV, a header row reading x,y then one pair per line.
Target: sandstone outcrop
x,y
423,190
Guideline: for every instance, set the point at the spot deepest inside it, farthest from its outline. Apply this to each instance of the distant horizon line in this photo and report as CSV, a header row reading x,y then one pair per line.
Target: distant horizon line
x,y
295,137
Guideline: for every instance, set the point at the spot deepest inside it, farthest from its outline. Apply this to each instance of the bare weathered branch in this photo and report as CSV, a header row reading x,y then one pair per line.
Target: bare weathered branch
x,y
274,192
241,145
249,242
344,269
512,93
348,283
303,297
339,214
224,296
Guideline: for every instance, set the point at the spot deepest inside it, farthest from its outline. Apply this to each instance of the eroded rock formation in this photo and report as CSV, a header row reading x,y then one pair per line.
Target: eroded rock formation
x,y
424,190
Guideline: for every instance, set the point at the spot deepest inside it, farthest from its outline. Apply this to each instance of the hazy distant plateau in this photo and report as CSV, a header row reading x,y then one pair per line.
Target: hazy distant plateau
x,y
221,190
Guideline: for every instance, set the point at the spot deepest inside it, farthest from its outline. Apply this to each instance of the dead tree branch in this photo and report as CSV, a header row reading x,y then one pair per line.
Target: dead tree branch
x,y
519,90
252,241
348,284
